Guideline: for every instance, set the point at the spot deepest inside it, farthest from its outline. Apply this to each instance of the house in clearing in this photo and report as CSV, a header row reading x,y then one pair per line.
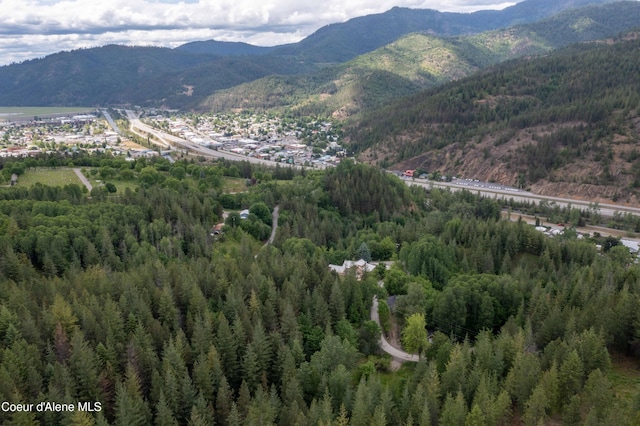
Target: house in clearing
x,y
217,230
360,267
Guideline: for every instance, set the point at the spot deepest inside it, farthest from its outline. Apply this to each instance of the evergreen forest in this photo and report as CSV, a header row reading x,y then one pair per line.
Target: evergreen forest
x,y
127,299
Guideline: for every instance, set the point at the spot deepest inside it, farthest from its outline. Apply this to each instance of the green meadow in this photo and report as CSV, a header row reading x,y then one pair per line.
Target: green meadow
x,y
50,177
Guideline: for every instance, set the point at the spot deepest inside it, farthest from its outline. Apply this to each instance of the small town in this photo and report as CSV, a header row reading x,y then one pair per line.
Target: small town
x,y
267,137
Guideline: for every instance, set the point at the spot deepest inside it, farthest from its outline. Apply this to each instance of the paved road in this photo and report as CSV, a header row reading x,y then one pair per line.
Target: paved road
x,y
607,210
83,179
384,344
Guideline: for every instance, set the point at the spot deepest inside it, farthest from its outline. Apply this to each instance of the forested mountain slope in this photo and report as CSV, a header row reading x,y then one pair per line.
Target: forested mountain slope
x,y
127,301
562,124
421,60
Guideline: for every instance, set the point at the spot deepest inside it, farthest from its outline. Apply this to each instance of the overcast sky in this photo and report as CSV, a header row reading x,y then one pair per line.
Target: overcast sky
x,y
36,28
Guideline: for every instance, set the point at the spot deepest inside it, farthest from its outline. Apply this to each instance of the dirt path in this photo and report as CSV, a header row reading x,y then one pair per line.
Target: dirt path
x,y
274,224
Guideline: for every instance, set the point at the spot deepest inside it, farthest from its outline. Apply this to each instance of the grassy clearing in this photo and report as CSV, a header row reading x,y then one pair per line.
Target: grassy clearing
x,y
49,177
122,185
397,379
234,184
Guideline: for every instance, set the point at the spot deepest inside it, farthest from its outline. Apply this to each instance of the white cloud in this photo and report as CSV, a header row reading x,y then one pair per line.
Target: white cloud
x,y
35,28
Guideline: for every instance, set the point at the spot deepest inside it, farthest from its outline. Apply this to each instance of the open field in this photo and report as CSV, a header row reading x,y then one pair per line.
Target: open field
x,y
127,144
234,185
122,185
27,113
49,177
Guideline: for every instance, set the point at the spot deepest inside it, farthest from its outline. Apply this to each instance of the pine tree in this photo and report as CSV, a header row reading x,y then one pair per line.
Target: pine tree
x,y
261,410
425,416
261,344
570,376
84,368
131,409
224,400
454,410
363,252
81,418
433,394
522,377
342,419
250,368
571,413
475,417
361,412
227,348
536,407
244,398
599,395
379,416
164,415
201,413
455,376
234,418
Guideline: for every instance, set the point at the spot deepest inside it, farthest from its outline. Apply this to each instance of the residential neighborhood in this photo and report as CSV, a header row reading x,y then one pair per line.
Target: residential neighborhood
x,y
262,136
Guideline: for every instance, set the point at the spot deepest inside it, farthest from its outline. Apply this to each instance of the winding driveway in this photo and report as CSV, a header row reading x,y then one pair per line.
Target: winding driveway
x,y
384,344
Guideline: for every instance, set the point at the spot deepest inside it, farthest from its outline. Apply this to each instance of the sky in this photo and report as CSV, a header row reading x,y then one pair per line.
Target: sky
x,y
35,28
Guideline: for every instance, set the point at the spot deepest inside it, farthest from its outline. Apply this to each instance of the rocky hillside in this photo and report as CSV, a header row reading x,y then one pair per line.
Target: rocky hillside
x,y
565,124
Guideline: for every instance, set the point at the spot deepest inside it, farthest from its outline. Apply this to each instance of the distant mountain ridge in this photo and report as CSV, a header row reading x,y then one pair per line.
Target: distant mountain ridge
x,y
223,48
418,60
182,77
355,37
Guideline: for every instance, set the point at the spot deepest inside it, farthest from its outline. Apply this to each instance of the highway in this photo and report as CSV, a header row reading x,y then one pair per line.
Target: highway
x,y
604,209
483,188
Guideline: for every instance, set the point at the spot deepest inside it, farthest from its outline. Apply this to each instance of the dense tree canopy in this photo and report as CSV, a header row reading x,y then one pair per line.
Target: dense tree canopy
x,y
128,300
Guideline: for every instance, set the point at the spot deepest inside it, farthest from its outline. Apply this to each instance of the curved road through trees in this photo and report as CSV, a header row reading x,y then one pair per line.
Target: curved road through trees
x,y
384,344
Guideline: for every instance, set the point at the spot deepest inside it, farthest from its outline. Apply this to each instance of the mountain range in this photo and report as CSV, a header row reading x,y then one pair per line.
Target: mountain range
x,y
185,76
420,60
